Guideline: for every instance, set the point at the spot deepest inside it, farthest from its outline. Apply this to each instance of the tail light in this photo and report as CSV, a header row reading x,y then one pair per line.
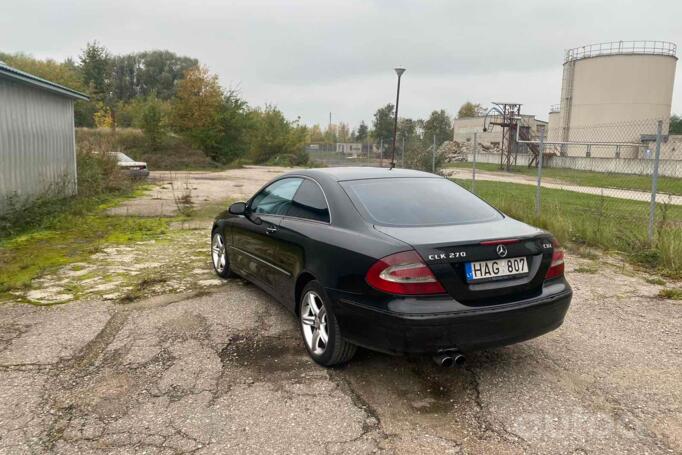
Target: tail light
x,y
556,268
403,273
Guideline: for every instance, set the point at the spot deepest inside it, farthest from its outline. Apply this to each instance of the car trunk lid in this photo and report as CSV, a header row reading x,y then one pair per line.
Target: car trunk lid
x,y
446,250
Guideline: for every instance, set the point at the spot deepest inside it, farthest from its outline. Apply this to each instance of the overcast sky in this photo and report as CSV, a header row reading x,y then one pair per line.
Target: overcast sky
x,y
312,57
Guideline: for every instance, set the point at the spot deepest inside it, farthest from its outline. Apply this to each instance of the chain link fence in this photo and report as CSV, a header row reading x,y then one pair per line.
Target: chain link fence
x,y
616,185
409,154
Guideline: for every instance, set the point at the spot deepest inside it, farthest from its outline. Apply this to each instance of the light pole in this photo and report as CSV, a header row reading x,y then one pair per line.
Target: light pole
x,y
399,72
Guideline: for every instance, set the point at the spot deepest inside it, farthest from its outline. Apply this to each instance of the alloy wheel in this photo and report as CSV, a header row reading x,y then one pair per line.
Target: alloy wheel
x,y
218,253
314,323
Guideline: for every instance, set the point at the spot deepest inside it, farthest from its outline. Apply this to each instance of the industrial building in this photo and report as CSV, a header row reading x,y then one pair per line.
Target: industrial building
x,y
37,138
491,138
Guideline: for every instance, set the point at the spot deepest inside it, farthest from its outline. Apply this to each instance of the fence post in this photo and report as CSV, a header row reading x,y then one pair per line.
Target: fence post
x,y
402,157
473,167
381,153
541,151
654,181
433,156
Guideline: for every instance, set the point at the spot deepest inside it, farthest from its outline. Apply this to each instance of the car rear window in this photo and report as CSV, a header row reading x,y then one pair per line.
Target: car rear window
x,y
417,202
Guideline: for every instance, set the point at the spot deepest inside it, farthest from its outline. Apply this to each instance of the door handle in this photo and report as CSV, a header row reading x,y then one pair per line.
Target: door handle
x,y
270,229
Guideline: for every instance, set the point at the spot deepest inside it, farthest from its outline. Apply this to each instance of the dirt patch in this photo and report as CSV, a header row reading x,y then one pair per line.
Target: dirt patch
x,y
186,190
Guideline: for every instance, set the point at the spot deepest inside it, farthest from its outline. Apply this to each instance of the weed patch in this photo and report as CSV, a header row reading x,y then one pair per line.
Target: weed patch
x,y
671,293
67,240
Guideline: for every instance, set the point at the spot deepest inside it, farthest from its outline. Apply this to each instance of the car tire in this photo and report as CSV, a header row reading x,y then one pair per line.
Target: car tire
x,y
316,316
219,259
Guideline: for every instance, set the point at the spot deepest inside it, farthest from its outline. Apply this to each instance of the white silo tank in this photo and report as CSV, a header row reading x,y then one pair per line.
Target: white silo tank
x,y
615,92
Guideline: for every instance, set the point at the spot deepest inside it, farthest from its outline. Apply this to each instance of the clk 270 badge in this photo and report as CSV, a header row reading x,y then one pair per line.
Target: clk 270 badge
x,y
453,255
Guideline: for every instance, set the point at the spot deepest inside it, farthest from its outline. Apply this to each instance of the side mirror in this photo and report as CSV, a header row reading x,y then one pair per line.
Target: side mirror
x,y
238,208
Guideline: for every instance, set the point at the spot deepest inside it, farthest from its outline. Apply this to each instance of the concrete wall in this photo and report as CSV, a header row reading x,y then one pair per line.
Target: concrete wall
x,y
37,142
669,168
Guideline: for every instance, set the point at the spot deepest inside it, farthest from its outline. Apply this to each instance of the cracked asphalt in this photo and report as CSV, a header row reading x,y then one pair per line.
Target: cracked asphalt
x,y
223,370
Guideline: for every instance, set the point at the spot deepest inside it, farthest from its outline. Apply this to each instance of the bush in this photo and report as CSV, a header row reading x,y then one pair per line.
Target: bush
x,y
152,122
421,158
275,136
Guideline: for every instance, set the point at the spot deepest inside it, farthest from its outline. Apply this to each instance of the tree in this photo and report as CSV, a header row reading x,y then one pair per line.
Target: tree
x,y
315,134
362,133
439,124
343,132
95,64
144,73
275,138
675,124
196,110
470,109
330,136
236,125
383,124
152,122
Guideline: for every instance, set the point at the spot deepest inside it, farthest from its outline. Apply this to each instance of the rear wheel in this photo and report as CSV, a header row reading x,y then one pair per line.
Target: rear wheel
x,y
221,265
320,331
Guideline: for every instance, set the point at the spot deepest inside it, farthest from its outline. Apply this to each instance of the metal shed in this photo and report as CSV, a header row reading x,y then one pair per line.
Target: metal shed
x,y
37,137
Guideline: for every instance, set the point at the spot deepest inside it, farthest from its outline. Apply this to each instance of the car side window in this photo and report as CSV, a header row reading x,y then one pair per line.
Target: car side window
x,y
275,199
309,203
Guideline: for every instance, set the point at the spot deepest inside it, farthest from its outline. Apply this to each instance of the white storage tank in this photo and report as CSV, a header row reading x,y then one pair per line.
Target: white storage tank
x,y
615,92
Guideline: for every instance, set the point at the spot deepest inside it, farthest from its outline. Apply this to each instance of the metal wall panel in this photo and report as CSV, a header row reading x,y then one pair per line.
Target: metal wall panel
x,y
37,143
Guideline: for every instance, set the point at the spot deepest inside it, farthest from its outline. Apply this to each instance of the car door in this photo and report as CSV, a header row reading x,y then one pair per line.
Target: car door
x,y
255,241
307,215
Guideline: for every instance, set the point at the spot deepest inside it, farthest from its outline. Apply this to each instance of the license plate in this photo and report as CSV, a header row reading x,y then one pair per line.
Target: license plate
x,y
497,268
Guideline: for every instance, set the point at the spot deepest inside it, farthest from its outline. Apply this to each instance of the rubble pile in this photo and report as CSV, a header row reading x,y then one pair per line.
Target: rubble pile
x,y
457,151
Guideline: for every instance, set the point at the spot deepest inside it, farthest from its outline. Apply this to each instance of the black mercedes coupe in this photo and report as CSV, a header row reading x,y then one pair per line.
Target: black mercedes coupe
x,y
397,261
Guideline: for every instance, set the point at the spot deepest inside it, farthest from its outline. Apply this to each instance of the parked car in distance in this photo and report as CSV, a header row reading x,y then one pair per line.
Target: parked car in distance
x,y
135,169
398,261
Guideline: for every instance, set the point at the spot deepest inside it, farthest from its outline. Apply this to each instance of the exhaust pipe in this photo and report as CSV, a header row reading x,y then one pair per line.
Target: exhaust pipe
x,y
449,359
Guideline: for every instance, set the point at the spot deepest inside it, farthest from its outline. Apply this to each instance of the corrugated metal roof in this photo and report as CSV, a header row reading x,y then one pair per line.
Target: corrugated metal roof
x,y
22,76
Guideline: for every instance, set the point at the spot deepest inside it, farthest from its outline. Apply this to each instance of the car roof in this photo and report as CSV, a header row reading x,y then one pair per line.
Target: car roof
x,y
340,174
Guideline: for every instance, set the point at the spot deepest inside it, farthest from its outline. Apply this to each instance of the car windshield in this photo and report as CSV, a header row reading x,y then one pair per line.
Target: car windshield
x,y
417,202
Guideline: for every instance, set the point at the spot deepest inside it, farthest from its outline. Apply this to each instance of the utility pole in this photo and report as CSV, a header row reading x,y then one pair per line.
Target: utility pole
x,y
399,72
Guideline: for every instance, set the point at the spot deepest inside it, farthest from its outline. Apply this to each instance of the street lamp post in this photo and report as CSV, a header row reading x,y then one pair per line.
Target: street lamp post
x,y
399,72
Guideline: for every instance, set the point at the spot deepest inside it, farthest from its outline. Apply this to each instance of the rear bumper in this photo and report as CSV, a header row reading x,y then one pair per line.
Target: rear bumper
x,y
465,329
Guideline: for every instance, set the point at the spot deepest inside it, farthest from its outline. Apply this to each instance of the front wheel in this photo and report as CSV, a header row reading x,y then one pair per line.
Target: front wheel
x,y
219,259
320,331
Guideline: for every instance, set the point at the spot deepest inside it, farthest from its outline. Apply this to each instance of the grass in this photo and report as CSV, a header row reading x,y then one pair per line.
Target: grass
x,y
671,293
595,221
71,238
669,185
655,280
